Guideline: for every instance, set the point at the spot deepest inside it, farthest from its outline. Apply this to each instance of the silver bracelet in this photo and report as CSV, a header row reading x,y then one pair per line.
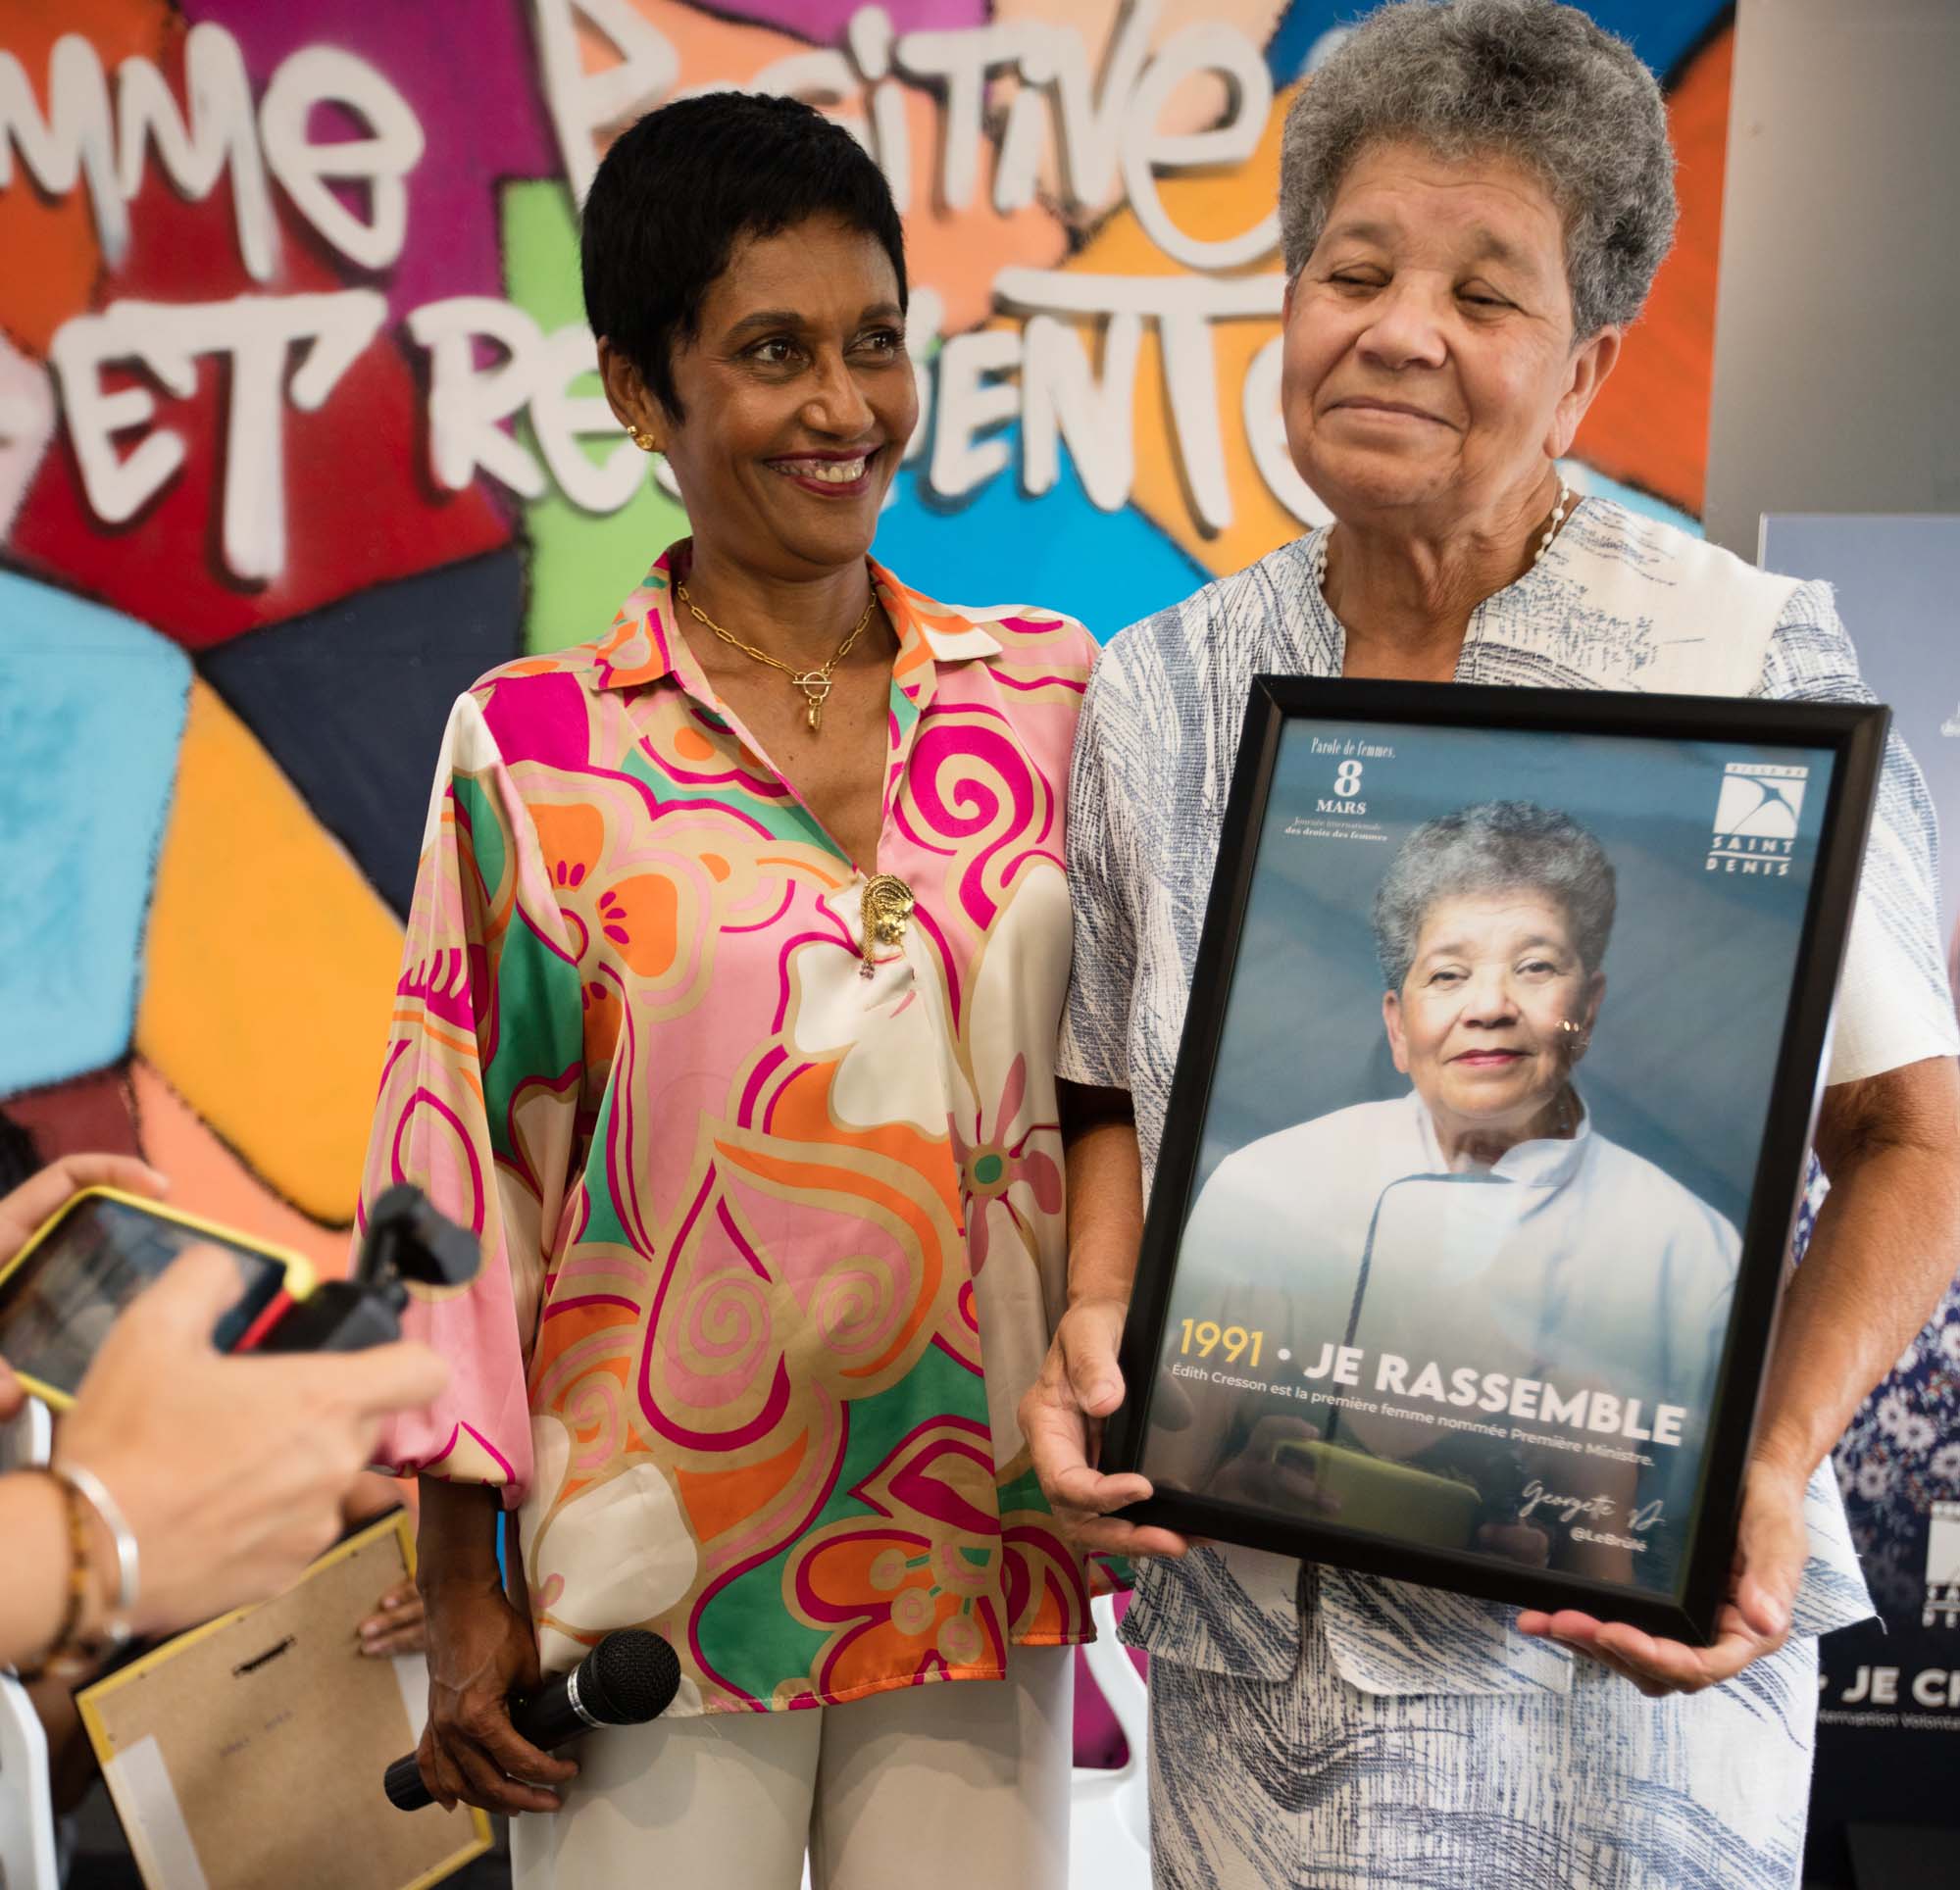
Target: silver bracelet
x,y
128,1564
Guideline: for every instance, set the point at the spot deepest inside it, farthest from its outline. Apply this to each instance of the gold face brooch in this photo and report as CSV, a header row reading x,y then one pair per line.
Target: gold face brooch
x,y
887,909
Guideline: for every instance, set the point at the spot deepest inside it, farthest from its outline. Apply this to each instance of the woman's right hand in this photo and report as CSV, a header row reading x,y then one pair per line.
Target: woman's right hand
x,y
1062,1417
482,1650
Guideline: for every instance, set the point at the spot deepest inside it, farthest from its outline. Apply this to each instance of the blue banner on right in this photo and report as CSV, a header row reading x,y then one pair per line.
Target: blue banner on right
x,y
1883,1806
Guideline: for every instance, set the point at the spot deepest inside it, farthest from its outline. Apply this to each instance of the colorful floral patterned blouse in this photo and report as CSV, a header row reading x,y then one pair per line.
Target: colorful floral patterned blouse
x,y
771,1227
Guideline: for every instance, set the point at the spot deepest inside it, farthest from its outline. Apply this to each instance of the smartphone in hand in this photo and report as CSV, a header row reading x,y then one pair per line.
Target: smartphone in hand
x,y
69,1284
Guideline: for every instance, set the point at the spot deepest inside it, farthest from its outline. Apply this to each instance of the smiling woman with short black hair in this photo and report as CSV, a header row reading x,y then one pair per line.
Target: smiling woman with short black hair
x,y
728,1019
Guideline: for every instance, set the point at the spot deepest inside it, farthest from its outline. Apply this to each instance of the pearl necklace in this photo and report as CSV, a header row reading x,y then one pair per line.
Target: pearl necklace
x,y
1567,498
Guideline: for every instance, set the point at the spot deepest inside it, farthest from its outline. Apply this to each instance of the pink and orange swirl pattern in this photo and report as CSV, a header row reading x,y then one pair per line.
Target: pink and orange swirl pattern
x,y
771,1247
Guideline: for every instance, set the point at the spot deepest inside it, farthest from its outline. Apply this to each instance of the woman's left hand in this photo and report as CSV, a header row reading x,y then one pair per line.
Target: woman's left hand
x,y
397,1625
25,1212
29,1207
1771,1548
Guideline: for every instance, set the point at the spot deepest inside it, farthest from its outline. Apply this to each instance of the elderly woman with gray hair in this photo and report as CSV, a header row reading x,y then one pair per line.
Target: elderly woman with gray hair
x,y
1357,1230
1474,200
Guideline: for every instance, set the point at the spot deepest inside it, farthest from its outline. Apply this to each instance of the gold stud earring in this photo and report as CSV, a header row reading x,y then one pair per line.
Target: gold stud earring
x,y
645,441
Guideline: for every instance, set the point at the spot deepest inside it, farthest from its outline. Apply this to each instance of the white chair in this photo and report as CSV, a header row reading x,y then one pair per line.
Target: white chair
x,y
28,1857
28,1854
1109,1809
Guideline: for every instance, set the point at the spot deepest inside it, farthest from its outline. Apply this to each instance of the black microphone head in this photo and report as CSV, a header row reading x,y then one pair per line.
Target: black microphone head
x,y
403,1784
630,1677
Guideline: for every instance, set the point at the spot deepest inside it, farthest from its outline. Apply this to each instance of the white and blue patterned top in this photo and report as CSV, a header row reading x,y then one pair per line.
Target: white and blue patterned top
x,y
1618,602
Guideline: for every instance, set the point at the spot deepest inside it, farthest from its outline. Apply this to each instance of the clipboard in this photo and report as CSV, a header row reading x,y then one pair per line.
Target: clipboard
x,y
249,1750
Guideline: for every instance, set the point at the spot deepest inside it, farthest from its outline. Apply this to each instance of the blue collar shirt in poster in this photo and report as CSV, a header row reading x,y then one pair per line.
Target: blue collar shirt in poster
x,y
1470,1321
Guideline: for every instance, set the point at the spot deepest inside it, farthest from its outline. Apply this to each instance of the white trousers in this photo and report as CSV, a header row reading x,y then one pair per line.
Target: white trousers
x,y
960,1782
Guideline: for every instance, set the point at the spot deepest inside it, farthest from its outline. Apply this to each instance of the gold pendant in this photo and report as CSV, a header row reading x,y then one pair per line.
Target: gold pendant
x,y
888,906
815,686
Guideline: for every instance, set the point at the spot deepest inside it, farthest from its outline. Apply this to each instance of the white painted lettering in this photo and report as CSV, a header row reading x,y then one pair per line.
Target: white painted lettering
x,y
1061,400
215,131
258,332
969,405
324,75
1205,46
581,103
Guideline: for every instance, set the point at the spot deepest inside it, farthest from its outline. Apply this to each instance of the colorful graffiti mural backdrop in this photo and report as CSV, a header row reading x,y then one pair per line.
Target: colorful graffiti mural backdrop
x,y
299,435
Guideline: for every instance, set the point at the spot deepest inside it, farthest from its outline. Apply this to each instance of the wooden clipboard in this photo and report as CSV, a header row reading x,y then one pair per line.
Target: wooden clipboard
x,y
249,1752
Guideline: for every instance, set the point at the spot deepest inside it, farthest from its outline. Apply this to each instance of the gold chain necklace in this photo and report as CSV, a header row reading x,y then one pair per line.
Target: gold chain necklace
x,y
815,683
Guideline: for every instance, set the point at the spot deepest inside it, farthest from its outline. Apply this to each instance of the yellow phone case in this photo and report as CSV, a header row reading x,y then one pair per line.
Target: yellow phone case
x,y
298,1281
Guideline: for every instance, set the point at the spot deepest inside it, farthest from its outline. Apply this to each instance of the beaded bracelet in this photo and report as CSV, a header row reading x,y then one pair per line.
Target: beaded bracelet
x,y
69,1655
76,1511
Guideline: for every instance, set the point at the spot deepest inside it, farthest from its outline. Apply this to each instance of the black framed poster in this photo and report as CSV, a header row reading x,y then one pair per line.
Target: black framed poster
x,y
1488,1133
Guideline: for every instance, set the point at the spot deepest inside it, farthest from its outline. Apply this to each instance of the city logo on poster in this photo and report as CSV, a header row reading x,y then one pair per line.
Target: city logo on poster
x,y
1942,1567
1756,819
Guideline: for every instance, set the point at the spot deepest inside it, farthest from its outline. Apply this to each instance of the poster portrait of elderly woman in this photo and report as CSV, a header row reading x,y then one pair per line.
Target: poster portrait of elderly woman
x,y
1467,1225
1474,200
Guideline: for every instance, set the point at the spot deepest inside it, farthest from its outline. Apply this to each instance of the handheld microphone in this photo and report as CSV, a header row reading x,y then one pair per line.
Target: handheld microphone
x,y
630,1677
